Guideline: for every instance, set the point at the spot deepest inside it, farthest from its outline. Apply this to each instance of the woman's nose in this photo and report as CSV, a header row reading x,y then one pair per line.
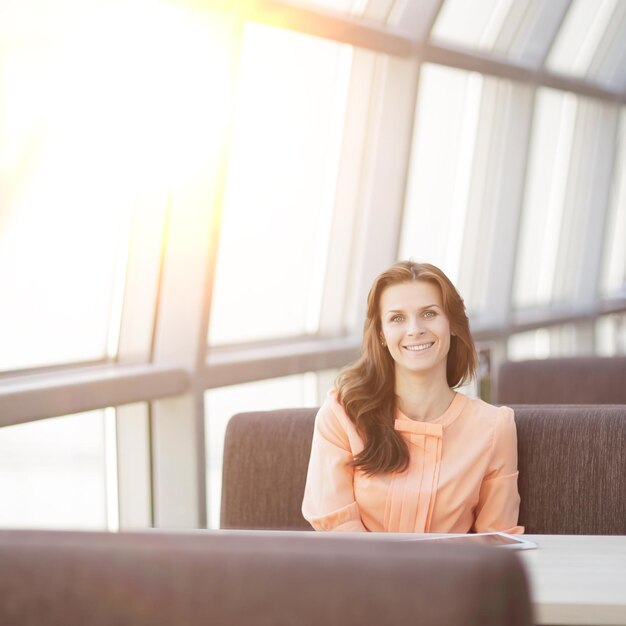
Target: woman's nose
x,y
415,328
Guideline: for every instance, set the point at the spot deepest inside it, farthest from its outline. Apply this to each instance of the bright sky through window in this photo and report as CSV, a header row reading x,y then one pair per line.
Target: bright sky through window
x,y
473,24
113,103
280,189
580,35
547,181
443,150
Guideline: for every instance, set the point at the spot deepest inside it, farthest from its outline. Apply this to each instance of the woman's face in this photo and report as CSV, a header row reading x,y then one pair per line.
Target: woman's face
x,y
415,327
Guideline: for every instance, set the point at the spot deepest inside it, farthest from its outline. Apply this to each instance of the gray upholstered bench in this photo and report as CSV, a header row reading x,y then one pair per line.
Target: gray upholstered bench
x,y
206,578
575,380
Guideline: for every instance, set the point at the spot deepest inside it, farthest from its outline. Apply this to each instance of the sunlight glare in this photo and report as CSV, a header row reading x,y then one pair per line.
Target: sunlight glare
x,y
105,103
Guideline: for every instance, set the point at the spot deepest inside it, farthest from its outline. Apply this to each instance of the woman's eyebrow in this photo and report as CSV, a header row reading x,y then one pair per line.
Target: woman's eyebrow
x,y
428,306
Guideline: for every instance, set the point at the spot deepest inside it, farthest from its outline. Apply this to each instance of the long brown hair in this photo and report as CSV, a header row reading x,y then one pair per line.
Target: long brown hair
x,y
367,387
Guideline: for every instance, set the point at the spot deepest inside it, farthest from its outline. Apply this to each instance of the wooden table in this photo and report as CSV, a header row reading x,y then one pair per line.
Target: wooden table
x,y
578,579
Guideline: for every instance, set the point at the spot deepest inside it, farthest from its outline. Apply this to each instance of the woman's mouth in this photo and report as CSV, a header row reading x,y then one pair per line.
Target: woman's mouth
x,y
420,347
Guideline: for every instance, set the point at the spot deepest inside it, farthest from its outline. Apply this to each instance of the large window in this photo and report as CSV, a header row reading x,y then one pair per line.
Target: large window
x,y
546,186
465,181
195,195
442,155
64,206
281,186
106,109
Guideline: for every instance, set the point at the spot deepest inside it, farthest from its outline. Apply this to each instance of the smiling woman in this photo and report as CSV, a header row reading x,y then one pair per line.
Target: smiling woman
x,y
377,460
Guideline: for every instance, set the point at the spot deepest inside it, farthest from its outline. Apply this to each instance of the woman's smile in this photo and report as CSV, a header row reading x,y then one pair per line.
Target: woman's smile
x,y
420,347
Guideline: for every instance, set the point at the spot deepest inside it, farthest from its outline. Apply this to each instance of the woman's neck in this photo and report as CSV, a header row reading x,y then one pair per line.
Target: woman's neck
x,y
422,399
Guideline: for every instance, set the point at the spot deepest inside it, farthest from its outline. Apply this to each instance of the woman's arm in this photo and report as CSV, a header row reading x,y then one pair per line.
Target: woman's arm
x,y
329,502
498,503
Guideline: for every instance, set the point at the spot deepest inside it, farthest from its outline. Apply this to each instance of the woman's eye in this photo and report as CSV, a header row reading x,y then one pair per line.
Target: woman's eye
x,y
429,314
396,318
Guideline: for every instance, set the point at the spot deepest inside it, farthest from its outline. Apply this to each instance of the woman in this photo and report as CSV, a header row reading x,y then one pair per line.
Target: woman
x,y
395,448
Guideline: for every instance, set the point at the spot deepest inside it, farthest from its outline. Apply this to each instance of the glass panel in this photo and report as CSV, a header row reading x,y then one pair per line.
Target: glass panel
x,y
614,274
546,184
65,200
59,473
221,404
609,61
568,340
86,126
529,29
472,24
580,36
438,184
280,189
534,344
563,340
63,218
611,334
353,7
605,336
494,197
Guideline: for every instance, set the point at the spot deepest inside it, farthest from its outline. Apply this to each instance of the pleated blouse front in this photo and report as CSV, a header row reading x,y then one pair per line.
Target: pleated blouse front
x,y
461,477
411,499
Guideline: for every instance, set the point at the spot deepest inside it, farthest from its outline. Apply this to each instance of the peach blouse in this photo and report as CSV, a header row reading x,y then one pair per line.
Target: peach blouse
x,y
462,474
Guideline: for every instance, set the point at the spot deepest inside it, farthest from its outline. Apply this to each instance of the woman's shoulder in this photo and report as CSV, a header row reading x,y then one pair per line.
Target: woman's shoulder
x,y
332,402
332,409
478,409
332,419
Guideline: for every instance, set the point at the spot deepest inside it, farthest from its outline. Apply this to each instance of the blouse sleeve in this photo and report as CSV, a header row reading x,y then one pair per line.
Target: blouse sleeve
x,y
498,502
329,502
